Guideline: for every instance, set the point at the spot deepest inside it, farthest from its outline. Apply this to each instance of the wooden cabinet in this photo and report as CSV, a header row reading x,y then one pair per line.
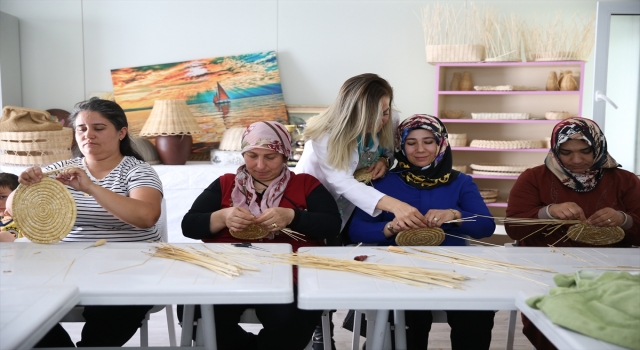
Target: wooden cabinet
x,y
536,103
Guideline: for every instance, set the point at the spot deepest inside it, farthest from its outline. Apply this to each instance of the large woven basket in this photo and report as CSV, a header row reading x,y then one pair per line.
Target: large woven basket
x,y
507,168
420,237
35,147
586,233
455,53
457,140
252,232
500,116
515,144
45,212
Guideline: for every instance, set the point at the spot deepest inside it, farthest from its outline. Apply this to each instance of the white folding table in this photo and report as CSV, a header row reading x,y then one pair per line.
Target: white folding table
x,y
125,274
28,313
562,338
326,290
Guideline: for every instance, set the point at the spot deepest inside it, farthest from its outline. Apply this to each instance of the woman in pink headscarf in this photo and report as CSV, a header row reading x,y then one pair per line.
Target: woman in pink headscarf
x,y
264,192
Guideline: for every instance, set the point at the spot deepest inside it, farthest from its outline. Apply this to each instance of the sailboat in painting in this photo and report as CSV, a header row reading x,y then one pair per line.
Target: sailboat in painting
x,y
221,96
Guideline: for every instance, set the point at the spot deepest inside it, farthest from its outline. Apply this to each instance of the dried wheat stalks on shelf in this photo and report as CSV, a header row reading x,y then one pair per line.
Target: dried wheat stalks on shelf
x,y
503,37
475,262
559,38
224,263
449,24
414,276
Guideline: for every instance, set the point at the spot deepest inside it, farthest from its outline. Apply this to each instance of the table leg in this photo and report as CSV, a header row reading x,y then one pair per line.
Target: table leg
x,y
379,329
187,326
357,321
209,325
326,329
400,330
513,315
371,322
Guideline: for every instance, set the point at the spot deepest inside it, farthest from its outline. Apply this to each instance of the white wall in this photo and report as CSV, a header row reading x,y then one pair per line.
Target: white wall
x,y
10,81
68,47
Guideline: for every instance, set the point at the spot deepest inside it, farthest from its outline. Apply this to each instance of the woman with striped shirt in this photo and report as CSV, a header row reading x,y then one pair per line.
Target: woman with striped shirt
x,y
118,197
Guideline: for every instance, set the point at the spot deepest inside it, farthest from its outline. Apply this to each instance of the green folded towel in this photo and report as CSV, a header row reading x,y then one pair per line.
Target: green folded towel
x,y
603,306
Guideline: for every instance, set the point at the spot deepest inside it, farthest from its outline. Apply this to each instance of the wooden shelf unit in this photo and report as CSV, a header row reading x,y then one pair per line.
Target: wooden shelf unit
x,y
536,103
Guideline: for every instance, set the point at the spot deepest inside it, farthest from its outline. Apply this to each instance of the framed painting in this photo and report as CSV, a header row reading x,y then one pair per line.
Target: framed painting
x,y
222,92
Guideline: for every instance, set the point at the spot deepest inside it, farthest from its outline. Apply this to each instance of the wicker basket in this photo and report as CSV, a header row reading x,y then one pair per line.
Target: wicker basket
x,y
458,140
506,168
252,232
488,192
44,212
455,53
505,88
586,233
362,175
515,144
452,114
500,116
494,173
490,200
554,115
420,237
35,147
555,56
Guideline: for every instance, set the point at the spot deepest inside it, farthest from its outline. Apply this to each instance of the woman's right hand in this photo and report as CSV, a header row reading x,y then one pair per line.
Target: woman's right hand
x,y
30,176
567,211
237,219
407,217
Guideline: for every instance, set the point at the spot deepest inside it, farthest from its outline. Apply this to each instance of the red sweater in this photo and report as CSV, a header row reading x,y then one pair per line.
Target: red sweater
x,y
539,187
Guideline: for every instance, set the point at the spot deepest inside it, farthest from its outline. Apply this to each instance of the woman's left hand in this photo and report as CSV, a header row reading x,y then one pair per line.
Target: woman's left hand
x,y
606,217
76,178
378,169
276,219
437,217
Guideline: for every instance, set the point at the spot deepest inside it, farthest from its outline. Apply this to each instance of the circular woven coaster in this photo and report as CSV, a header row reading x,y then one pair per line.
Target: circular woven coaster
x,y
45,212
420,237
586,233
252,231
363,176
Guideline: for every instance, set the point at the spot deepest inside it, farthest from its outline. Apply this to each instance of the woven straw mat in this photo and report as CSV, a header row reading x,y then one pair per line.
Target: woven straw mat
x,y
420,237
586,233
252,231
45,212
363,176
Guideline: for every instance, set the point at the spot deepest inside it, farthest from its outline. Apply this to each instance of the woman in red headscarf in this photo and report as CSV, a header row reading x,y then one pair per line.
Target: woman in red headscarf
x,y
579,181
264,192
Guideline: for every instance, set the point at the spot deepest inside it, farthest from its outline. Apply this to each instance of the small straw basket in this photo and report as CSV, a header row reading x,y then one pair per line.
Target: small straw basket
x,y
586,233
420,237
253,231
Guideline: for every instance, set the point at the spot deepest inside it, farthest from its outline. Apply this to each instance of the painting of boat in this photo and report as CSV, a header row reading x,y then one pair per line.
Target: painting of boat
x,y
220,96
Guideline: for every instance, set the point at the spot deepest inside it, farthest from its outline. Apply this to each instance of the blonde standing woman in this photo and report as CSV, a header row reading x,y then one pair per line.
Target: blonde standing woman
x,y
354,133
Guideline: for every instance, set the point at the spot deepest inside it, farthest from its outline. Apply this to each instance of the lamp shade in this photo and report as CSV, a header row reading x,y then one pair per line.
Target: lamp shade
x,y
170,117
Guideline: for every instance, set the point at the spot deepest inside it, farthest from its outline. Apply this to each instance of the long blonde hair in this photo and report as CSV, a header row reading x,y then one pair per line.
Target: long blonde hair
x,y
356,111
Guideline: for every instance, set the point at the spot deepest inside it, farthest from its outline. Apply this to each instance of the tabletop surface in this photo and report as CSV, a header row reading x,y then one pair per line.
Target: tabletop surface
x,y
486,290
27,313
124,273
562,338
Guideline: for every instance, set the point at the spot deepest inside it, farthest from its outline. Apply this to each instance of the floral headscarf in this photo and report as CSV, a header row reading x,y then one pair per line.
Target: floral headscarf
x,y
264,135
589,132
436,174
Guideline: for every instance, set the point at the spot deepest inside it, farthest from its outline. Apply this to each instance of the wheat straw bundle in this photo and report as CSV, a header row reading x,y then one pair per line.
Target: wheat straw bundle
x,y
225,263
362,175
585,233
420,237
561,38
253,231
502,39
411,275
45,211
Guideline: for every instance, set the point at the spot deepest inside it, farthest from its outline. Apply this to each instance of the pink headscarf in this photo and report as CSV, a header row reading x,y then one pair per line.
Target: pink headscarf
x,y
264,135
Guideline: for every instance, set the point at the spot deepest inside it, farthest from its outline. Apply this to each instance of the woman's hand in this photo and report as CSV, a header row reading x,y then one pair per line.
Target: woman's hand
x,y
237,219
276,219
30,176
378,169
77,179
436,217
6,236
567,211
408,217
607,217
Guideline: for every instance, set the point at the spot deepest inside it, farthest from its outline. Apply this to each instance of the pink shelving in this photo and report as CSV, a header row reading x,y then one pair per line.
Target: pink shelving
x,y
492,177
500,121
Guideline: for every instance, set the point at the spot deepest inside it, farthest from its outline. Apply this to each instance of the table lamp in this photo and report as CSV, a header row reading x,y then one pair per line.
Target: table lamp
x,y
172,123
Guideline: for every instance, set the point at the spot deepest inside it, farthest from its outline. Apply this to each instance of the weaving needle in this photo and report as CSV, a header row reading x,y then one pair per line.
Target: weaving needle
x,y
97,243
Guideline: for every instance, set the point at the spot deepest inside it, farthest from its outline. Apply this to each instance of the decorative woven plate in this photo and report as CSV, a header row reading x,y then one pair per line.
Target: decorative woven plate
x,y
586,233
363,176
507,168
505,88
500,115
515,144
45,212
488,192
252,231
490,200
420,237
494,173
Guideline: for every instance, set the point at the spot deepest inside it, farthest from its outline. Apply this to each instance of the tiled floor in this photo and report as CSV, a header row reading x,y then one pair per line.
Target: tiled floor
x,y
438,337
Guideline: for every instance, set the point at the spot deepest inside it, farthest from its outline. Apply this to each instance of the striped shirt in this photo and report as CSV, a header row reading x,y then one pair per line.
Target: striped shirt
x,y
93,222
